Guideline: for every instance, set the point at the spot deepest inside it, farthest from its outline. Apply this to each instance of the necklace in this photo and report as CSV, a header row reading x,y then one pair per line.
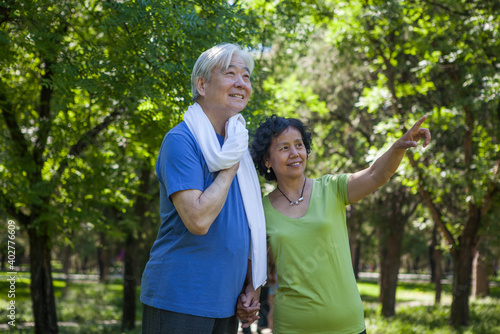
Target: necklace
x,y
297,202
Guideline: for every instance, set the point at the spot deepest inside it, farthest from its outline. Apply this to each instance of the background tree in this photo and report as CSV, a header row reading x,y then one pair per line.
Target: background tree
x,y
413,66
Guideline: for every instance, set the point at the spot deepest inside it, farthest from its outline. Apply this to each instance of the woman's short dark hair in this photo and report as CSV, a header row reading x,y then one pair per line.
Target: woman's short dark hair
x,y
269,129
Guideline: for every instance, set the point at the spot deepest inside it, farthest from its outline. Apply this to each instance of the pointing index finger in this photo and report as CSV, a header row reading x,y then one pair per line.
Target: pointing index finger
x,y
419,122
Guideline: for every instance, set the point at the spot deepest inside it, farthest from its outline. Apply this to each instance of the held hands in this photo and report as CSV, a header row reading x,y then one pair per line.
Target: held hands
x,y
248,306
412,136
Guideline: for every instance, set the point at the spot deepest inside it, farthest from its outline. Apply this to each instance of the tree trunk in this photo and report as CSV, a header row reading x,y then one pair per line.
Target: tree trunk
x,y
129,283
42,289
391,231
432,263
66,260
357,258
435,258
388,282
438,274
103,258
462,270
66,266
432,253
480,282
3,259
130,262
390,253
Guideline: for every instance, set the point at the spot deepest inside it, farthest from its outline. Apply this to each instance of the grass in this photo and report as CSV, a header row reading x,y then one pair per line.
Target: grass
x,y
82,307
92,307
416,312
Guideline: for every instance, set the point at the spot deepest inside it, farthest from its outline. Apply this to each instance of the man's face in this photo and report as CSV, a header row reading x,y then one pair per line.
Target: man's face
x,y
228,90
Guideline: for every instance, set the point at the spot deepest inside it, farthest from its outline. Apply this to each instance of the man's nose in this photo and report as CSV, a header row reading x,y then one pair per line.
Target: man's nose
x,y
240,82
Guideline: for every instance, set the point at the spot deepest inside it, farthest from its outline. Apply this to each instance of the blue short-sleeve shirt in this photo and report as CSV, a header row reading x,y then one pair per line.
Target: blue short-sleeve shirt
x,y
200,275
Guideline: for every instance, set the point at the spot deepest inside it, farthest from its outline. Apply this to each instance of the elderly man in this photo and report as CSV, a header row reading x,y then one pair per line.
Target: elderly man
x,y
210,252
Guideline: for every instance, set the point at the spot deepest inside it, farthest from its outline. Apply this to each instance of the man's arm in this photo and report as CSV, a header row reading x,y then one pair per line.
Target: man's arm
x,y
198,209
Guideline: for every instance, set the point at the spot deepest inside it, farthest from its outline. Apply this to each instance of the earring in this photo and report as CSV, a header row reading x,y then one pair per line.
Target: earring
x,y
268,171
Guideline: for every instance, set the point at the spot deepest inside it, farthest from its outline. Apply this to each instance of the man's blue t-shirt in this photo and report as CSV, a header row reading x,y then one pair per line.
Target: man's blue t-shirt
x,y
200,275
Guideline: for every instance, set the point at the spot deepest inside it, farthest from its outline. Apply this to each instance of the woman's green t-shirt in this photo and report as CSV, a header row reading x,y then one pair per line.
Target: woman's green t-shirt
x,y
317,291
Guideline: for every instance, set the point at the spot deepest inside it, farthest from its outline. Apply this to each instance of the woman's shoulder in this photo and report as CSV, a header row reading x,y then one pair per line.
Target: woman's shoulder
x,y
266,201
333,182
334,185
333,178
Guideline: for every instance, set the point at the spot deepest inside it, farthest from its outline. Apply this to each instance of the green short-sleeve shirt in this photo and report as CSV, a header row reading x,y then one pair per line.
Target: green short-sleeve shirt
x,y
317,291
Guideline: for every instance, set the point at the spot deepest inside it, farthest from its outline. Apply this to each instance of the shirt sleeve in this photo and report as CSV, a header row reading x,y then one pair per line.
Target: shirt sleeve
x,y
180,163
338,185
342,187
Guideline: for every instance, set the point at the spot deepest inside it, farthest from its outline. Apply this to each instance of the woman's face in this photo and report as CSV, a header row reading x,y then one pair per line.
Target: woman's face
x,y
287,154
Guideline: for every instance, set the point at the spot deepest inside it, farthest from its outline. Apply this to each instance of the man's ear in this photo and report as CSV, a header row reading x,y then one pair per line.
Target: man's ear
x,y
200,86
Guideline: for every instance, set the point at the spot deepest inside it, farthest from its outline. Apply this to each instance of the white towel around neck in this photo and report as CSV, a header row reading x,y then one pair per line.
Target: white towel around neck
x,y
234,149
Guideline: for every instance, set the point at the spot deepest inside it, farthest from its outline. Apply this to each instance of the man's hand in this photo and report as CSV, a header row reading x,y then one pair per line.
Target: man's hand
x,y
248,306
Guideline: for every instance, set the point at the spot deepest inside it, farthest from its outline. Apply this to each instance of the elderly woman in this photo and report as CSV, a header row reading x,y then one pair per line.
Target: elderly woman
x,y
306,227
199,264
